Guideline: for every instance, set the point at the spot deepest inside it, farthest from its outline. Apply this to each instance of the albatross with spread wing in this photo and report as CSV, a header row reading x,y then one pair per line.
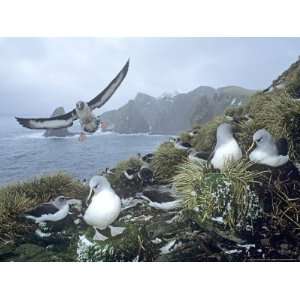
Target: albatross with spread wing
x,y
83,111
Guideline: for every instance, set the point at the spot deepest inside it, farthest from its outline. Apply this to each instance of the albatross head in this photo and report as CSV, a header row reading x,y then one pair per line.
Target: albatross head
x,y
97,184
262,139
60,201
80,105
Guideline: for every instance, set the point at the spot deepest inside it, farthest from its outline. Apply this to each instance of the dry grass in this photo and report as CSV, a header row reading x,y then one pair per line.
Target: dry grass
x,y
16,199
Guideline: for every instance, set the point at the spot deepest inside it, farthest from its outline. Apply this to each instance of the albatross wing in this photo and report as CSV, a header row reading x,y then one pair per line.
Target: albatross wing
x,y
62,121
105,95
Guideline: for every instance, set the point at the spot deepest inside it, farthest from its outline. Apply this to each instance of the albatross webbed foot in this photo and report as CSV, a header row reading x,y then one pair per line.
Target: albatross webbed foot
x,y
98,236
82,137
116,230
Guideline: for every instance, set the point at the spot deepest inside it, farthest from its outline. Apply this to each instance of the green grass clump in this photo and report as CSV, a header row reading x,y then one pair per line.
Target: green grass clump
x,y
228,194
165,162
16,199
185,137
205,138
276,112
123,187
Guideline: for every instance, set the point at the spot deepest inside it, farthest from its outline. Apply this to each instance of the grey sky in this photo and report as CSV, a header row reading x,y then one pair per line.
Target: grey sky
x,y
37,75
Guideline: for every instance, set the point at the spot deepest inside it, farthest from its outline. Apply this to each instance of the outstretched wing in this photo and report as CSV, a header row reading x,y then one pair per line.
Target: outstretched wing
x,y
61,121
104,96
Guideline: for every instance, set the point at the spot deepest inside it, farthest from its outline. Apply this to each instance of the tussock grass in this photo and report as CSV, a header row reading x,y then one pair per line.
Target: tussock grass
x,y
17,198
205,138
165,162
228,194
276,112
185,137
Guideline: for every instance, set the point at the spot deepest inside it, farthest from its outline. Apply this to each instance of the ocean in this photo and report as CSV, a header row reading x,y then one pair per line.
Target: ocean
x,y
25,153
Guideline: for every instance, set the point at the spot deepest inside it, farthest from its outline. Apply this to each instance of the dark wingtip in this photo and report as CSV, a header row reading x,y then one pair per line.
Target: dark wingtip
x,y
126,67
23,122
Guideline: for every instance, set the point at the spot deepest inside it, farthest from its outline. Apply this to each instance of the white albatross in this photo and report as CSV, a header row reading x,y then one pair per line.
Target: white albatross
x,y
227,148
83,111
268,151
104,208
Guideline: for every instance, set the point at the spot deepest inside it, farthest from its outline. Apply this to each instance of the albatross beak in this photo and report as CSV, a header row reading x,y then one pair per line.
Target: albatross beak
x,y
90,196
250,148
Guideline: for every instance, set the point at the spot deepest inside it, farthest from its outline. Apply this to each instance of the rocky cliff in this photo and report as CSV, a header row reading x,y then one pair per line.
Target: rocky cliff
x,y
172,114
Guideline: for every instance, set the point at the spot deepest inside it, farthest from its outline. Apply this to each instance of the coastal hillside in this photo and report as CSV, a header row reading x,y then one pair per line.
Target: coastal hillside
x,y
171,114
175,207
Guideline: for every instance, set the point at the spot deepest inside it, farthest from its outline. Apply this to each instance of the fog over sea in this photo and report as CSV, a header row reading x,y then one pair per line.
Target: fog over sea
x,y
26,153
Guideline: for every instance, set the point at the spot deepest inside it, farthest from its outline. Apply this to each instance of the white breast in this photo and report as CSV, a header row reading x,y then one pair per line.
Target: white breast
x,y
263,158
85,115
226,152
103,210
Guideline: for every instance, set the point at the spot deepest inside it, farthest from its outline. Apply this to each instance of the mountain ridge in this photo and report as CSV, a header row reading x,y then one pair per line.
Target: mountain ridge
x,y
171,114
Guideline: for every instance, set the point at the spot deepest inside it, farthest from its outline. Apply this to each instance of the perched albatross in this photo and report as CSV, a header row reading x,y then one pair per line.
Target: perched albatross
x,y
104,208
83,111
227,148
53,211
274,154
268,151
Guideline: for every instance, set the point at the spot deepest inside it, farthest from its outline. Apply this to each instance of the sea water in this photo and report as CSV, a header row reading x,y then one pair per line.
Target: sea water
x,y
25,153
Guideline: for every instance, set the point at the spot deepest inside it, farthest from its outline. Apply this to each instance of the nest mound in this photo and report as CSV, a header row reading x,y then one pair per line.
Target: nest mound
x,y
228,196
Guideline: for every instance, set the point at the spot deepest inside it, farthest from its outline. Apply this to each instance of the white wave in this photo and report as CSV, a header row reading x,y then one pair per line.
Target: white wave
x,y
40,135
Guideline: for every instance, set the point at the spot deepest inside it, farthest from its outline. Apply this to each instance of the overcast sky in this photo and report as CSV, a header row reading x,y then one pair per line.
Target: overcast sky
x,y
37,75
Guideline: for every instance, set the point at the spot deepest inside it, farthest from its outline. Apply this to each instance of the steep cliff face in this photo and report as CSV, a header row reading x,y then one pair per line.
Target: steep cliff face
x,y
58,132
171,114
288,80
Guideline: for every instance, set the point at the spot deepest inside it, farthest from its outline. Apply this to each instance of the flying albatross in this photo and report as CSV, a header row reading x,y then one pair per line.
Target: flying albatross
x,y
83,111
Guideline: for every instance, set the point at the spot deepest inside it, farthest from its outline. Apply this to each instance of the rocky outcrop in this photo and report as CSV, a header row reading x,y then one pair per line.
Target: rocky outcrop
x,y
171,114
63,132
